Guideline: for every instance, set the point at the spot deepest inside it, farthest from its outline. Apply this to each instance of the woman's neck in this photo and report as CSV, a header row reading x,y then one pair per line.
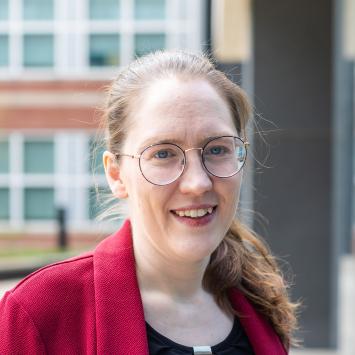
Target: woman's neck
x,y
175,278
174,300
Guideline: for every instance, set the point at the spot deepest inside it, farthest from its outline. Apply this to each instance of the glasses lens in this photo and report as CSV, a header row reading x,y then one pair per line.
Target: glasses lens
x,y
224,156
161,164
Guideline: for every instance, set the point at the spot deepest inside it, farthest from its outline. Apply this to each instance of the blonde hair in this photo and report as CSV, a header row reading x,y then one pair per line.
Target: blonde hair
x,y
241,260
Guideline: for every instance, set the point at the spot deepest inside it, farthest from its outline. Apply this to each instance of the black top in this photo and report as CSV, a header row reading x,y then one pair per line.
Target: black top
x,y
236,343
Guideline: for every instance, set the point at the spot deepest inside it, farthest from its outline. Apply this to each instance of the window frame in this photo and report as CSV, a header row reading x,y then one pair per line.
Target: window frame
x,y
70,180
71,27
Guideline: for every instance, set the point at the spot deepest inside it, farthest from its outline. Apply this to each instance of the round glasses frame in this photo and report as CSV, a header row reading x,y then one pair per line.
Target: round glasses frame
x,y
201,149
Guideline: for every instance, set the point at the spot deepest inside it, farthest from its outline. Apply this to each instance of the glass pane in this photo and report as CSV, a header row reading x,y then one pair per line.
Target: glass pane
x,y
100,201
4,9
38,9
4,203
149,9
4,50
104,9
104,49
38,50
145,43
39,157
94,203
39,203
4,157
95,161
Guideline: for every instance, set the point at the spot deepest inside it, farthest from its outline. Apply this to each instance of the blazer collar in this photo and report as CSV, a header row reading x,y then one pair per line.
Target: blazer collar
x,y
120,324
261,335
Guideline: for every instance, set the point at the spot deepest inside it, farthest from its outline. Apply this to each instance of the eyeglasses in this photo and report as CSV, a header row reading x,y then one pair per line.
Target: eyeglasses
x,y
163,163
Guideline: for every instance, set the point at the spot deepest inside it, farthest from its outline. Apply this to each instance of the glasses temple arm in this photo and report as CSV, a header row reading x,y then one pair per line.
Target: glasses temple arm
x,y
117,155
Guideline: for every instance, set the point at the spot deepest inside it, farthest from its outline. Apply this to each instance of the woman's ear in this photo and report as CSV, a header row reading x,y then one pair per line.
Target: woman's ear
x,y
113,175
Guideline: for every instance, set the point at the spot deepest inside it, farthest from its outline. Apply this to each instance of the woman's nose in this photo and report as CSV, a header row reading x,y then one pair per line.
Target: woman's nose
x,y
195,179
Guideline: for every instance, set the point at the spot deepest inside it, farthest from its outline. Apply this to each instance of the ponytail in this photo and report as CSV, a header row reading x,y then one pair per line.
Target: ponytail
x,y
242,260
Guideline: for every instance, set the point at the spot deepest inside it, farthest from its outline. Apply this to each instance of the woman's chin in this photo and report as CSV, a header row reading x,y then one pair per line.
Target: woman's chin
x,y
195,252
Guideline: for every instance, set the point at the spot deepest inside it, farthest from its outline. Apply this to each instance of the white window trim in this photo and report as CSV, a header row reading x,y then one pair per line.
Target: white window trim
x,y
71,181
71,28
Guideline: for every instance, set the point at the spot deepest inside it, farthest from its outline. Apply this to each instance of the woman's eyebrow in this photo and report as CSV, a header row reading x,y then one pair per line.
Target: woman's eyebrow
x,y
152,141
179,142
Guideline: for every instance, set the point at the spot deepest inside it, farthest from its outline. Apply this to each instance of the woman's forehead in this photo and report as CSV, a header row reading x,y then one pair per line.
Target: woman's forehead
x,y
175,111
173,96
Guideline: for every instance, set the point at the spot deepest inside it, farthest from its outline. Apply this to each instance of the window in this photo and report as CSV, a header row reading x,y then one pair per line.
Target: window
x,y
38,157
94,202
33,189
104,9
104,50
4,203
38,9
4,190
39,203
149,9
97,197
81,38
145,43
4,50
4,9
100,200
95,162
4,157
38,50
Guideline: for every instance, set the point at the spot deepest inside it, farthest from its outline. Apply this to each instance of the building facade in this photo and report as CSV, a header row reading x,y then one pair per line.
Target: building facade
x,y
56,57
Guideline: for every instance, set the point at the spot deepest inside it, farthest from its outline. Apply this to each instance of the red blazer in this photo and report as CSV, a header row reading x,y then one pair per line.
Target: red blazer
x,y
91,304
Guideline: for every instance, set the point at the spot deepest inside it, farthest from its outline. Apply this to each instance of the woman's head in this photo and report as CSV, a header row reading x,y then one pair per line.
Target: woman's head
x,y
177,99
133,81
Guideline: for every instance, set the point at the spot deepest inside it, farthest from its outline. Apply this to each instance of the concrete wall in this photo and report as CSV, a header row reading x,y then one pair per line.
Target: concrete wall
x,y
293,89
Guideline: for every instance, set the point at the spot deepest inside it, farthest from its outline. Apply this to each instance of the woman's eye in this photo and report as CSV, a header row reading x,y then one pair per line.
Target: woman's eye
x,y
162,154
216,150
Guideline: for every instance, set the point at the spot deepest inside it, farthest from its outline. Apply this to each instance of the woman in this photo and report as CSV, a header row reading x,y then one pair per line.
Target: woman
x,y
182,275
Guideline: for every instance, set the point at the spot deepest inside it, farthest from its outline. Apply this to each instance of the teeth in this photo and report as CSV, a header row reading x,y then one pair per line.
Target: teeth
x,y
194,213
201,213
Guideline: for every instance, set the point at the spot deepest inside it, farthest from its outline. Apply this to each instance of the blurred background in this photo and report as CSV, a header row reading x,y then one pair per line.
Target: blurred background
x,y
296,61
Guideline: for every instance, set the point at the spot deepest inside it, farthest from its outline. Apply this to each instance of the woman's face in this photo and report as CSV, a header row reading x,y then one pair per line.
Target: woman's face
x,y
188,114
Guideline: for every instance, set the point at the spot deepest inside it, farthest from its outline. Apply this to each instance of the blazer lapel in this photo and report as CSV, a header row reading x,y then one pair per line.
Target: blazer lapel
x,y
261,335
119,311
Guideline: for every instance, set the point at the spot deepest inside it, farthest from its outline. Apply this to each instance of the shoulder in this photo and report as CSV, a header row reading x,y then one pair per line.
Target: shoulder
x,y
69,272
51,308
58,286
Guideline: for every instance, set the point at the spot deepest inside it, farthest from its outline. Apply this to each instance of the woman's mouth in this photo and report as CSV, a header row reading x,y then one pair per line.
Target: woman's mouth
x,y
195,216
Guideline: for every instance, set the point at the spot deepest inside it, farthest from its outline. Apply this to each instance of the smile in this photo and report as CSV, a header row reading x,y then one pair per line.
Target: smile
x,y
194,213
195,216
